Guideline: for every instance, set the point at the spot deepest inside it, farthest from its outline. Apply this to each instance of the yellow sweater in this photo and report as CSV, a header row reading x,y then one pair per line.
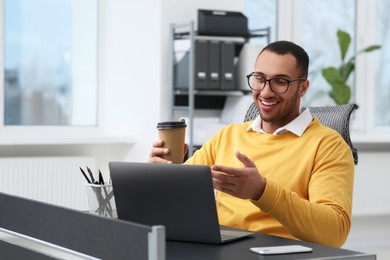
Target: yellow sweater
x,y
308,195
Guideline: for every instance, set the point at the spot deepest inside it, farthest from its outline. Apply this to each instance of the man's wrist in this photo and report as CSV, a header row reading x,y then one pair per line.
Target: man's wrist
x,y
263,183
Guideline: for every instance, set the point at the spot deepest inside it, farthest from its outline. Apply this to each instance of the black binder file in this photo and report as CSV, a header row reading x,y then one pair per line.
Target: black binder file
x,y
227,65
201,59
214,62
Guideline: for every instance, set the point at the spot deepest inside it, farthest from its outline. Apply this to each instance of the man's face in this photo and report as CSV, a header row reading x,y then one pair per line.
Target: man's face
x,y
277,110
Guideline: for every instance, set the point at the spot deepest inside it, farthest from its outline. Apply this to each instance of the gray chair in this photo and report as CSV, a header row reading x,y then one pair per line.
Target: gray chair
x,y
335,117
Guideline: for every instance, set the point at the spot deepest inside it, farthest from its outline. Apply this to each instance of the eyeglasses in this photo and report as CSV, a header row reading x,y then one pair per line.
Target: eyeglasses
x,y
277,85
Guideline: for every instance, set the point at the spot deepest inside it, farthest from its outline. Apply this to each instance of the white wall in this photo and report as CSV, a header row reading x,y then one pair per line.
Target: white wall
x,y
130,71
372,178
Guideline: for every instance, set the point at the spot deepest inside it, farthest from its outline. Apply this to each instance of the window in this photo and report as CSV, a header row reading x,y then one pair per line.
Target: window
x,y
318,37
261,14
381,83
50,62
313,24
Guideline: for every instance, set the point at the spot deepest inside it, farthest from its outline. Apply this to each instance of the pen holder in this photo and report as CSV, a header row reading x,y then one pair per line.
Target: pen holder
x,y
101,200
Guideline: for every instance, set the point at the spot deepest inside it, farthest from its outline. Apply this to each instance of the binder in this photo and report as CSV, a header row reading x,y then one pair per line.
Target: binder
x,y
214,66
227,66
214,62
201,64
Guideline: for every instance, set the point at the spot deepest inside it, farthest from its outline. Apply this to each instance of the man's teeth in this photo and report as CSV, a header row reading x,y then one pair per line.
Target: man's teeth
x,y
268,103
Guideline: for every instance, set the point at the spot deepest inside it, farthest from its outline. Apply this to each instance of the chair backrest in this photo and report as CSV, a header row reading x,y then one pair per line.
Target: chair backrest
x,y
335,117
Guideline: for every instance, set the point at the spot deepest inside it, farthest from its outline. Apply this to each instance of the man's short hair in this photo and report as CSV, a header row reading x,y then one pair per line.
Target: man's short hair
x,y
286,47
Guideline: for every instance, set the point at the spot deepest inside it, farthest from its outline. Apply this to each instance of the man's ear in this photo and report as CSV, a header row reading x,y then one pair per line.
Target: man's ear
x,y
304,86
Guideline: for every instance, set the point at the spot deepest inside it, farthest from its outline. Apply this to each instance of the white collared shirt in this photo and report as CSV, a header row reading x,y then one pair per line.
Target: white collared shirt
x,y
297,126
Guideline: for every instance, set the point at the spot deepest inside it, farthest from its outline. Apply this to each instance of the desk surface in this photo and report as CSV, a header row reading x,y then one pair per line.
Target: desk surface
x,y
79,234
240,250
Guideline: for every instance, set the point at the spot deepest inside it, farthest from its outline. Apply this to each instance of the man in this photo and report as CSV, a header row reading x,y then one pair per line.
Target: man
x,y
283,173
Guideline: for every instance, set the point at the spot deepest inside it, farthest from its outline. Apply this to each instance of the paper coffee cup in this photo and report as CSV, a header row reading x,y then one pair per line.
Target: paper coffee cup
x,y
173,135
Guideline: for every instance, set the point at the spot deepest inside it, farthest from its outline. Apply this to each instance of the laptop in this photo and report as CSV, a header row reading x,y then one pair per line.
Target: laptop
x,y
180,197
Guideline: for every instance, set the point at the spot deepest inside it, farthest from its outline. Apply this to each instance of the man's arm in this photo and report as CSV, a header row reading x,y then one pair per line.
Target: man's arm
x,y
325,217
322,218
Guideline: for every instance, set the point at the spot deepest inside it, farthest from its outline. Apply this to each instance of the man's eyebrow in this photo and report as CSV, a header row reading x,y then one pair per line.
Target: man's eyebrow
x,y
259,73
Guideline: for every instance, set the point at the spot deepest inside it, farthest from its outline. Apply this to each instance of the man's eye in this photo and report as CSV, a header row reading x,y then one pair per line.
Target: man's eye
x,y
260,79
281,82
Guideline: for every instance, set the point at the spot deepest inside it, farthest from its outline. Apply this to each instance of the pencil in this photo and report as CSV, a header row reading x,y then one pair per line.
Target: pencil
x,y
90,174
85,176
101,181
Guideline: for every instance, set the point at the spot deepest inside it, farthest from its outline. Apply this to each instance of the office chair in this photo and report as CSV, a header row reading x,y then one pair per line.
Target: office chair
x,y
335,117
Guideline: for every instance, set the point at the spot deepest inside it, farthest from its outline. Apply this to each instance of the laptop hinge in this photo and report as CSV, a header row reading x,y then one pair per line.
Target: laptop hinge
x,y
156,243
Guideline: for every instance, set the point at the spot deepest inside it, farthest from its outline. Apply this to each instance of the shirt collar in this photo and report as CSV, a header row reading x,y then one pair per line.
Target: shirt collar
x,y
296,126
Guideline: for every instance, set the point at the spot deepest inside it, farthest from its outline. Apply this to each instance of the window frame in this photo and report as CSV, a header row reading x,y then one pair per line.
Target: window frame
x,y
47,135
363,129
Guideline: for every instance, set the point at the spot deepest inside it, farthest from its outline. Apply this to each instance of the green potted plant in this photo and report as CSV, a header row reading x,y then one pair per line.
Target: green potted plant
x,y
338,77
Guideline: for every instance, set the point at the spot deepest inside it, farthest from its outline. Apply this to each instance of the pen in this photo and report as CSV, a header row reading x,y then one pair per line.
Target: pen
x,y
90,174
85,176
101,181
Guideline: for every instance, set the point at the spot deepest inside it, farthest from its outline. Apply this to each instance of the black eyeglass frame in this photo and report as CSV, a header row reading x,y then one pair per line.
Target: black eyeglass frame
x,y
269,83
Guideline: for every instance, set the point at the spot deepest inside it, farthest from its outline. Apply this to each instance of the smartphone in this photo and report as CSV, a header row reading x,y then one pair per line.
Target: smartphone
x,y
273,250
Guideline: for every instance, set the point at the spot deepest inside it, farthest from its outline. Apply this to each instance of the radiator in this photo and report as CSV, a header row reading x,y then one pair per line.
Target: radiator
x,y
55,180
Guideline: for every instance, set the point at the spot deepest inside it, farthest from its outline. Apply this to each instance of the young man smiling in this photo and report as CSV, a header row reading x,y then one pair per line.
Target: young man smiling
x,y
283,173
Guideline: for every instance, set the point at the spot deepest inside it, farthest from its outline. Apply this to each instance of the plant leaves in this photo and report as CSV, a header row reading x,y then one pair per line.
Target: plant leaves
x,y
367,49
344,40
337,78
332,76
371,48
340,93
346,71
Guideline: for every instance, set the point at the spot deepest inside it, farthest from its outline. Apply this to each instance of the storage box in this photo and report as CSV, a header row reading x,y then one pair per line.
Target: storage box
x,y
222,23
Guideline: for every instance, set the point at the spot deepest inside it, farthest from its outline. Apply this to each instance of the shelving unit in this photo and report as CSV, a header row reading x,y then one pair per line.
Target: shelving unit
x,y
189,99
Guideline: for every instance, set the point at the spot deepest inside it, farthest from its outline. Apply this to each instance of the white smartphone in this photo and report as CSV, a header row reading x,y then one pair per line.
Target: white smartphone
x,y
273,250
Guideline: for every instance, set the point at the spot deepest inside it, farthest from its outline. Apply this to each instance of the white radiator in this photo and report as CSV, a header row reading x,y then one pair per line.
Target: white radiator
x,y
55,180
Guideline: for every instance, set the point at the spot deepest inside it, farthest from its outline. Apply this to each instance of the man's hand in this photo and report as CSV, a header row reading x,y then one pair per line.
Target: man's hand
x,y
158,152
244,183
